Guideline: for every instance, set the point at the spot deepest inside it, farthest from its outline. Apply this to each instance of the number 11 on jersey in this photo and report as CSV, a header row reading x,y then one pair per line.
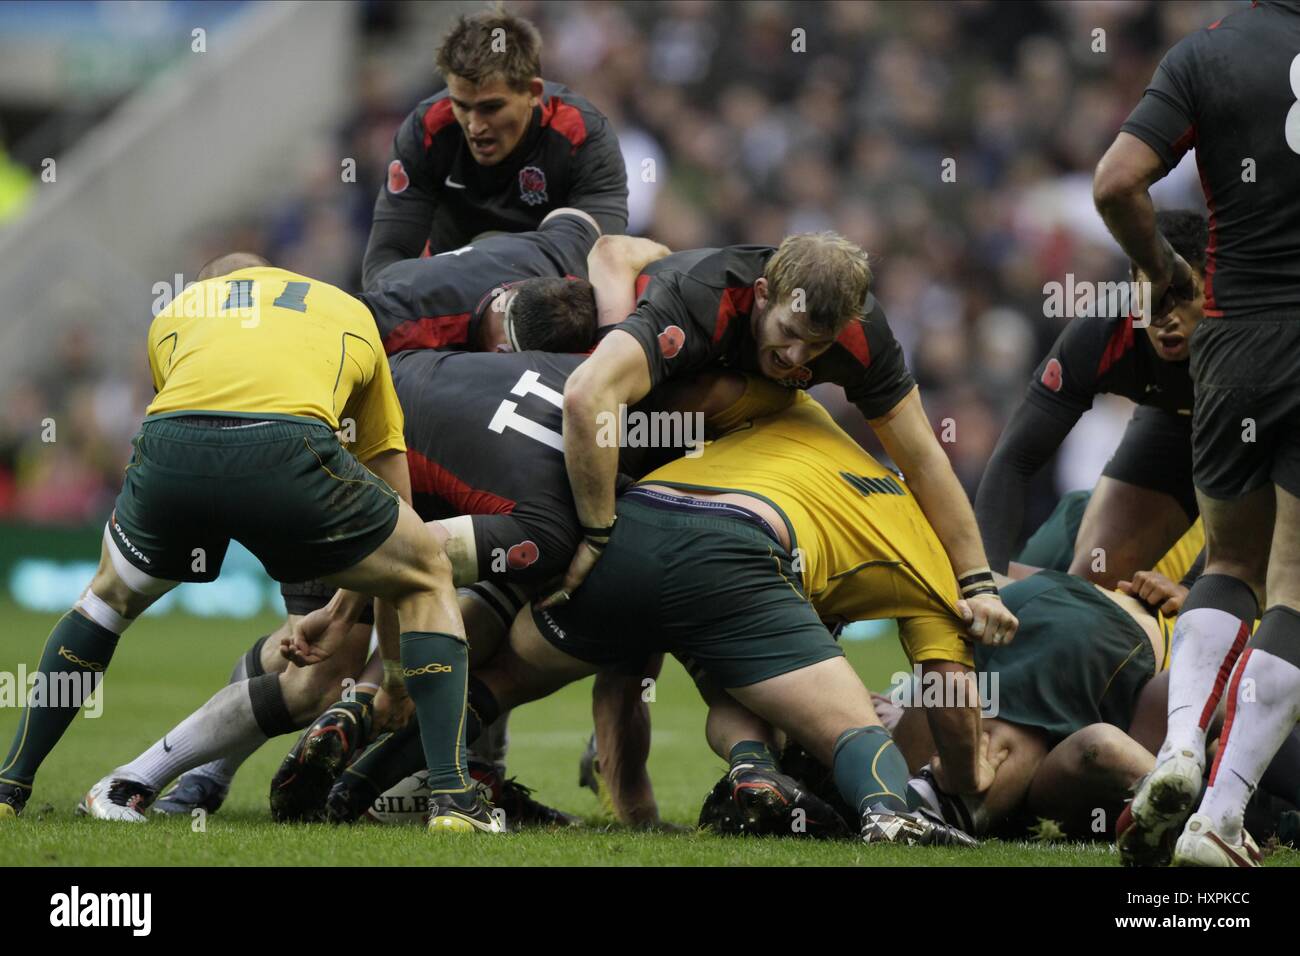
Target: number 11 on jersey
x,y
507,415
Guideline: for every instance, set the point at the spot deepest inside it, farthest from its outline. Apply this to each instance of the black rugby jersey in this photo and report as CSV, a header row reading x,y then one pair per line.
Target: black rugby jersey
x,y
437,197
438,302
1230,91
483,433
1107,355
693,312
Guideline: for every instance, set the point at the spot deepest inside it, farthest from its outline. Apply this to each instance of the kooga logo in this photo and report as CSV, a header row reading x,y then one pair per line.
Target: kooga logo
x,y
102,909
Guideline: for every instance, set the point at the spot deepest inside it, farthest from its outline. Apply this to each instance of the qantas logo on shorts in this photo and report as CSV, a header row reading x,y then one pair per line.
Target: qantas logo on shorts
x,y
1052,375
532,185
397,178
127,542
555,628
522,555
671,341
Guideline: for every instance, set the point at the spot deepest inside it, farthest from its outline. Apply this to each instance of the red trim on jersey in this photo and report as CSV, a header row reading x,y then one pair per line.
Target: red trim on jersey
x,y
734,302
1211,308
427,251
1230,716
430,478
436,118
1187,140
1121,340
1225,668
566,120
854,338
641,283
429,332
1215,24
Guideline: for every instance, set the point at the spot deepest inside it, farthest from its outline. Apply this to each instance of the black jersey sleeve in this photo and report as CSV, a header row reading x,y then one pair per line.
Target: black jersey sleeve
x,y
1066,381
600,179
868,362
567,240
406,203
674,321
1165,117
528,547
1028,442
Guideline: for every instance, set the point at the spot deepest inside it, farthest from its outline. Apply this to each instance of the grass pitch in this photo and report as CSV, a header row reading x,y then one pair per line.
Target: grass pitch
x,y
165,666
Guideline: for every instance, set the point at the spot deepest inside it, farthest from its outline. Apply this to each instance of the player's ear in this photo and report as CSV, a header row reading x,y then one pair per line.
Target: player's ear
x,y
760,292
535,90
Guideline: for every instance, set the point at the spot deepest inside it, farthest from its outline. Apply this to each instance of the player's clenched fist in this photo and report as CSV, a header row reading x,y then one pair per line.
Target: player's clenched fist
x,y
988,620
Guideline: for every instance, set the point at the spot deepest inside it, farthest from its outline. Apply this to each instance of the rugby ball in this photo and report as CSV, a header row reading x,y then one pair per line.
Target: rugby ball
x,y
404,802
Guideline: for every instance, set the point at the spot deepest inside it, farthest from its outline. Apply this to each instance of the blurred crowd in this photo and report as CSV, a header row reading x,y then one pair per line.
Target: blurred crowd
x,y
954,141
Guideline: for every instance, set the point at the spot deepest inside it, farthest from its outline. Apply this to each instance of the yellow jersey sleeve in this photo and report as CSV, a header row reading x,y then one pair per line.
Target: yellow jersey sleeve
x,y
375,412
934,637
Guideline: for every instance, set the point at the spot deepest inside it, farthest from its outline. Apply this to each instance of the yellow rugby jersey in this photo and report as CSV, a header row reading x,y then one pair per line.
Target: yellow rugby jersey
x,y
861,541
268,343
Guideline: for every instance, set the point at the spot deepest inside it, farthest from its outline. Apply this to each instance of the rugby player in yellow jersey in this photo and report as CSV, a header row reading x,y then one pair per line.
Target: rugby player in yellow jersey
x,y
255,367
732,560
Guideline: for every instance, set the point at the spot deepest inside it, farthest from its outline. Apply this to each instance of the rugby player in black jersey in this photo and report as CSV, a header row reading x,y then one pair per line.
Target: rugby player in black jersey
x,y
1231,91
1144,501
801,314
496,151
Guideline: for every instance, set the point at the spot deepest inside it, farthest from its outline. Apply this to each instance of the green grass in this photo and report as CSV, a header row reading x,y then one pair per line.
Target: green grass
x,y
166,666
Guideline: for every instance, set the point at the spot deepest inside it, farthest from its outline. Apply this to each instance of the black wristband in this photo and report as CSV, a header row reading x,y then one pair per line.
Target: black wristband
x,y
978,589
976,577
597,532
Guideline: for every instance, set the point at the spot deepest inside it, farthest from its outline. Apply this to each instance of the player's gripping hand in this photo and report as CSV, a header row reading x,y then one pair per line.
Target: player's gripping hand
x,y
1155,590
584,559
1171,289
987,619
394,708
986,768
315,637
887,711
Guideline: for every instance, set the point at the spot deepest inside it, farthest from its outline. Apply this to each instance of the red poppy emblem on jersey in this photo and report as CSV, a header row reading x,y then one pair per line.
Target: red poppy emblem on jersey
x,y
522,555
671,340
532,185
397,178
1052,375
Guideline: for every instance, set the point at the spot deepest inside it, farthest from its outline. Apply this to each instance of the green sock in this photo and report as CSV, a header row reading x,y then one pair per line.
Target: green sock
x,y
392,758
869,770
751,755
435,667
76,653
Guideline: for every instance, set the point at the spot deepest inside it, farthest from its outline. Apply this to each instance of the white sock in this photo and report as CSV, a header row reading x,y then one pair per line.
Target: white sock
x,y
223,726
1206,643
1263,706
